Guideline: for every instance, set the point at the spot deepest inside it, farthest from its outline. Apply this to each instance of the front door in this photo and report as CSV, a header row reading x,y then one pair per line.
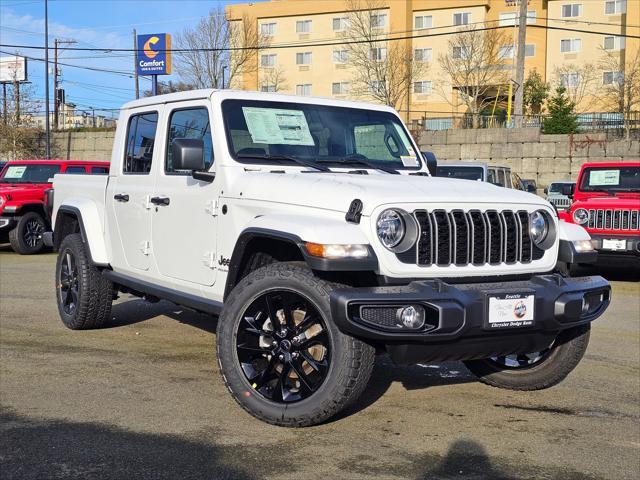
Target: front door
x,y
129,191
185,209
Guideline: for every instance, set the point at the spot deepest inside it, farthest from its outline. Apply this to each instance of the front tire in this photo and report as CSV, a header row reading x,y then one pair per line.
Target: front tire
x,y
84,296
281,356
538,370
26,236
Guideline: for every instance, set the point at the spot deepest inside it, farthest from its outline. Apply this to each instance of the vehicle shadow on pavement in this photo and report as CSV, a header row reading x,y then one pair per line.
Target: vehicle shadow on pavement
x,y
136,310
37,449
622,270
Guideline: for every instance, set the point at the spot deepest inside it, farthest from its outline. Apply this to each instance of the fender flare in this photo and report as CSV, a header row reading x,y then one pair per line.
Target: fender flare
x,y
249,234
86,212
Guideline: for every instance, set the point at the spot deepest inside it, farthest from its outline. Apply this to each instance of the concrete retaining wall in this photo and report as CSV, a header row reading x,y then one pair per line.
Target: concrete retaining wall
x,y
529,153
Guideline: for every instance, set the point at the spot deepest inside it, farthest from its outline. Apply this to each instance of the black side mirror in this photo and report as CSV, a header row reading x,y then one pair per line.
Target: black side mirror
x,y
531,188
546,191
187,154
567,190
432,163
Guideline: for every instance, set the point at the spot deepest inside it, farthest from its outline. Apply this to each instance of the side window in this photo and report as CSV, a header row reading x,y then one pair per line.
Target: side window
x,y
99,170
491,178
75,169
501,179
189,123
140,139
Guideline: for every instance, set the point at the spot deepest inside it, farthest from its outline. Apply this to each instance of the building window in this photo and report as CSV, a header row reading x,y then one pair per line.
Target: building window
x,y
506,52
423,54
303,89
510,19
265,87
423,87
378,20
423,21
376,86
615,7
530,50
268,60
303,26
378,54
462,18
340,88
571,10
611,78
613,43
303,58
340,24
268,29
461,52
340,56
570,80
570,45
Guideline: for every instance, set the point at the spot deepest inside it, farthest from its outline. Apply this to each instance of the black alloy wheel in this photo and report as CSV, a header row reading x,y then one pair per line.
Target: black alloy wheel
x,y
68,281
283,347
33,231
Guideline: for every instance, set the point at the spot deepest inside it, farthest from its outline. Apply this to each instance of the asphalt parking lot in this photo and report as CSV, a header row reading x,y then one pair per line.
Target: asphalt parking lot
x,y
143,399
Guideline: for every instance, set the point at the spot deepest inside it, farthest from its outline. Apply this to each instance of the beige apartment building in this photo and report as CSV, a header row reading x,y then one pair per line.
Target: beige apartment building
x,y
305,55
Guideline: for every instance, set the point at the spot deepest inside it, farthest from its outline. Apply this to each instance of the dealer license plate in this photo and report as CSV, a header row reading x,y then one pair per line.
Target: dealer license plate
x,y
511,310
611,244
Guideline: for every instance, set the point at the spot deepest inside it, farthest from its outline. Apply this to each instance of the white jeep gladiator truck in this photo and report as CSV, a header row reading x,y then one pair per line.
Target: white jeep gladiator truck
x,y
313,229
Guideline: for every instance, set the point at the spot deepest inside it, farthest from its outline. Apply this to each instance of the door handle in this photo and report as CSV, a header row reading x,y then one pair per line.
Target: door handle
x,y
121,197
160,201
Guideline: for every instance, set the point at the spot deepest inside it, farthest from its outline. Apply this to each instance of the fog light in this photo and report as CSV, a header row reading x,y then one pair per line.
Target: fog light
x,y
411,316
583,245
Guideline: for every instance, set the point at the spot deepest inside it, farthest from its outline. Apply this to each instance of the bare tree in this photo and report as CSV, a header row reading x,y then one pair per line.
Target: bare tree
x,y
580,81
19,135
273,79
204,54
621,84
475,70
382,70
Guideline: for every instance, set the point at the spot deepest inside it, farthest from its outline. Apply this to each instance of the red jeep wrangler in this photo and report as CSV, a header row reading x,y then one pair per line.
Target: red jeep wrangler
x,y
23,210
606,202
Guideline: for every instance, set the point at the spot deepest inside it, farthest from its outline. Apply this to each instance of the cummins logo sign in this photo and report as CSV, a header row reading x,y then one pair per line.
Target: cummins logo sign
x,y
154,54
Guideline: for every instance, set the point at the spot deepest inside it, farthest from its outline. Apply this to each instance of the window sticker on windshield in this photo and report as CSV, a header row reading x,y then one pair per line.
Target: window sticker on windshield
x,y
15,171
604,177
410,160
277,126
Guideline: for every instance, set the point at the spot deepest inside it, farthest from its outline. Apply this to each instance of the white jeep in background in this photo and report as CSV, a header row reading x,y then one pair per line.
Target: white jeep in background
x,y
315,231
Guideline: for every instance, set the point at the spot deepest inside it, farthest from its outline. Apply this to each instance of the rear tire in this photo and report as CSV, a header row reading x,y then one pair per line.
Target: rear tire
x,y
551,368
84,296
272,373
26,236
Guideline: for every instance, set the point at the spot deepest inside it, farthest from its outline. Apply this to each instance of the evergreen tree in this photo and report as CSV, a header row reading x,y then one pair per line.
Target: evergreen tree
x,y
562,117
536,91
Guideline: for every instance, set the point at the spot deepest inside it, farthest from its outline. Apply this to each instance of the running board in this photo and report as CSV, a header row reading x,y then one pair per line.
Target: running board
x,y
194,302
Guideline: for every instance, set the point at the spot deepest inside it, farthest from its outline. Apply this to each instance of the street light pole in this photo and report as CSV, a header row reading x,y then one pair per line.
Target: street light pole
x,y
224,67
46,80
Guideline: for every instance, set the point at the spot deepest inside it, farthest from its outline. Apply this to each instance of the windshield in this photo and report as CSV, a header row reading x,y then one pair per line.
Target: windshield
x,y
32,173
611,179
317,133
465,173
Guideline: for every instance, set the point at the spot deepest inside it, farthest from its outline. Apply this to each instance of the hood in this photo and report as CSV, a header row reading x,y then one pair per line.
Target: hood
x,y
15,192
608,202
335,191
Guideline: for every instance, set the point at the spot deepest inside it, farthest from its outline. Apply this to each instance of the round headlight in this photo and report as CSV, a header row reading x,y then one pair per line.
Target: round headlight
x,y
390,228
580,216
538,227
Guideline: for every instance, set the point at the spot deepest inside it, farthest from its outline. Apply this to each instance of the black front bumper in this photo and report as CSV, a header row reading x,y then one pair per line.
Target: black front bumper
x,y
457,326
632,246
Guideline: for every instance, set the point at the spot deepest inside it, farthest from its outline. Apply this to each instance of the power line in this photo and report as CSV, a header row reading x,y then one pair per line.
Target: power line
x,y
324,44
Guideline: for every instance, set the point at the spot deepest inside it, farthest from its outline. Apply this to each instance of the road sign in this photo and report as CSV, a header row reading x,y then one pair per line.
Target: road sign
x,y
154,54
13,69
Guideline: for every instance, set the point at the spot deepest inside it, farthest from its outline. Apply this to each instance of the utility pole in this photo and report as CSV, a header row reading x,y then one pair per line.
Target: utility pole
x,y
4,103
135,62
56,99
46,81
522,41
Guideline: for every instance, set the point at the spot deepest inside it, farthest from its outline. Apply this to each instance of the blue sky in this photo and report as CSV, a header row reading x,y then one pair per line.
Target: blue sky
x,y
94,23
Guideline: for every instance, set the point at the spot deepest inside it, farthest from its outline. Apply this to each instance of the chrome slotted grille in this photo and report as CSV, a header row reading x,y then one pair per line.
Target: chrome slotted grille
x,y
613,219
474,238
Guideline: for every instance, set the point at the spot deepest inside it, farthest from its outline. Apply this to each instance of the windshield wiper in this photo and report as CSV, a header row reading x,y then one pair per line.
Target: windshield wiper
x,y
360,161
299,161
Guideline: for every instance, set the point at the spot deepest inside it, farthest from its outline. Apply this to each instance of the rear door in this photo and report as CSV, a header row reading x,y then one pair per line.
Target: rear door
x,y
131,190
184,221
